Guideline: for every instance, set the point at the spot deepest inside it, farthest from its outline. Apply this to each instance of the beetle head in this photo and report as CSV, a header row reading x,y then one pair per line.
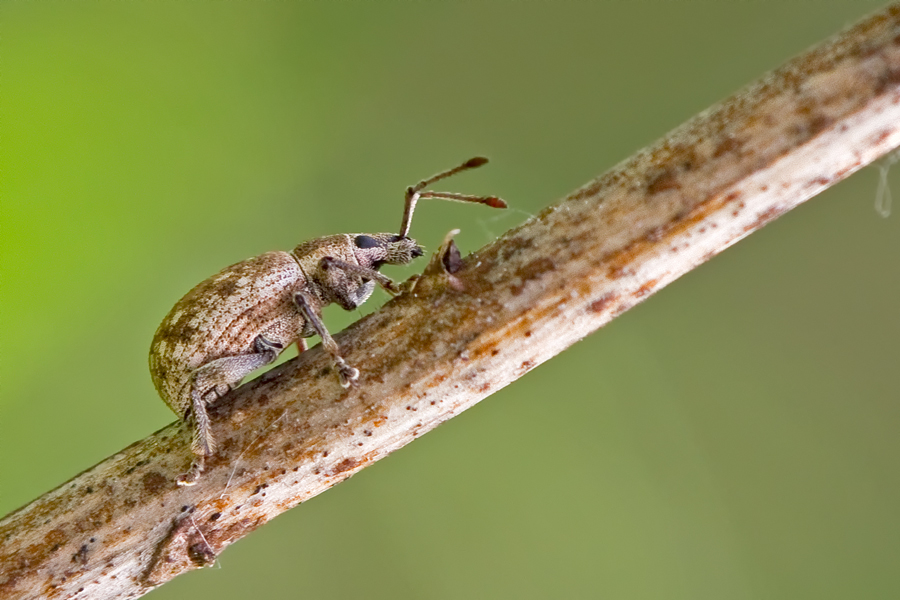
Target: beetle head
x,y
375,249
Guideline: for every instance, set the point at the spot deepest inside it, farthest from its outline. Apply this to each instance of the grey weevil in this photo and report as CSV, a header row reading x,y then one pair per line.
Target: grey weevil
x,y
243,317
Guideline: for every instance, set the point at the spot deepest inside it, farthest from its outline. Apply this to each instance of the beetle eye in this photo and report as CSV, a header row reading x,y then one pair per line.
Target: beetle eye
x,y
364,241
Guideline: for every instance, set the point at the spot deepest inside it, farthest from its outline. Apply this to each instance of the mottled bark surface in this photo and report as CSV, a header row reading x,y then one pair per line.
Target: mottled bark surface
x,y
467,327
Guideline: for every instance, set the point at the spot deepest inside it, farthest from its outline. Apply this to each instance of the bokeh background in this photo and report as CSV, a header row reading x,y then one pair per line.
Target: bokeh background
x,y
735,436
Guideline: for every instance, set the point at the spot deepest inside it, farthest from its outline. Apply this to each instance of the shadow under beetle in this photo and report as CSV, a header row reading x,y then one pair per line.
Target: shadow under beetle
x,y
243,317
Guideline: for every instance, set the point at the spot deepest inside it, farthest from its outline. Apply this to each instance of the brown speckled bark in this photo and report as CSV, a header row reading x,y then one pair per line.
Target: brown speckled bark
x,y
124,527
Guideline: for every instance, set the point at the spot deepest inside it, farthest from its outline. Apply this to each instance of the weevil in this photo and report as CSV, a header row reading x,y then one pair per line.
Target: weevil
x,y
243,317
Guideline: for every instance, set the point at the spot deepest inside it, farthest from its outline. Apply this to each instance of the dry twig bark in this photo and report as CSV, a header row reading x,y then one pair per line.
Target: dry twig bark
x,y
467,327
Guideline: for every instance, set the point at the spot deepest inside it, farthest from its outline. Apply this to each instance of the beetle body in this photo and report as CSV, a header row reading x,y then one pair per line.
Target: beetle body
x,y
243,317
222,315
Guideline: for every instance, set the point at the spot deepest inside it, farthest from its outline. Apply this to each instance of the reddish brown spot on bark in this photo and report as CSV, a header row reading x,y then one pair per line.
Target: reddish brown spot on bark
x,y
818,123
646,288
532,270
154,483
881,137
619,271
535,268
345,465
662,182
591,189
887,80
33,555
763,218
602,303
729,144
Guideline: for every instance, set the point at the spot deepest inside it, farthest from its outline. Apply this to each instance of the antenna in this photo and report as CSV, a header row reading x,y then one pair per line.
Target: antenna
x,y
414,193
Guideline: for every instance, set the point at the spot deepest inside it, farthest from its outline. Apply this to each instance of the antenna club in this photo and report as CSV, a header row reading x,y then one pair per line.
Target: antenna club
x,y
475,162
495,202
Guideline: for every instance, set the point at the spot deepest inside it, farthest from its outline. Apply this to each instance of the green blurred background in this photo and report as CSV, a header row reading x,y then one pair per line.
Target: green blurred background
x,y
736,436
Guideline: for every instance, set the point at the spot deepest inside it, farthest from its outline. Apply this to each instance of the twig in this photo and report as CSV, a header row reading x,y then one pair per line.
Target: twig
x,y
467,327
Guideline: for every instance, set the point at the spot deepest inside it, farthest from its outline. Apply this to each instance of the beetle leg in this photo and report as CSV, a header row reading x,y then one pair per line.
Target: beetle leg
x,y
384,281
346,373
212,381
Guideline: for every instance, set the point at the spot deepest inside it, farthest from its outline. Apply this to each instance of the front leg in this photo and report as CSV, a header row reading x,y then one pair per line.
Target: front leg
x,y
366,273
212,381
346,373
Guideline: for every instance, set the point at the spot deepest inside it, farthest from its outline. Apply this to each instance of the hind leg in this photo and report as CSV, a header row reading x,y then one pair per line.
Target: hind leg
x,y
212,381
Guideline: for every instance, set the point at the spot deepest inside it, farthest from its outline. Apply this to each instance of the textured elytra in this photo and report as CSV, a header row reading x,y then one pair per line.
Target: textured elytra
x,y
221,317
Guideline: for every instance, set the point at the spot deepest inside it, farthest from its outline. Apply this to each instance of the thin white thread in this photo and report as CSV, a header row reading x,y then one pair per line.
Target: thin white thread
x,y
205,541
483,223
883,199
244,451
